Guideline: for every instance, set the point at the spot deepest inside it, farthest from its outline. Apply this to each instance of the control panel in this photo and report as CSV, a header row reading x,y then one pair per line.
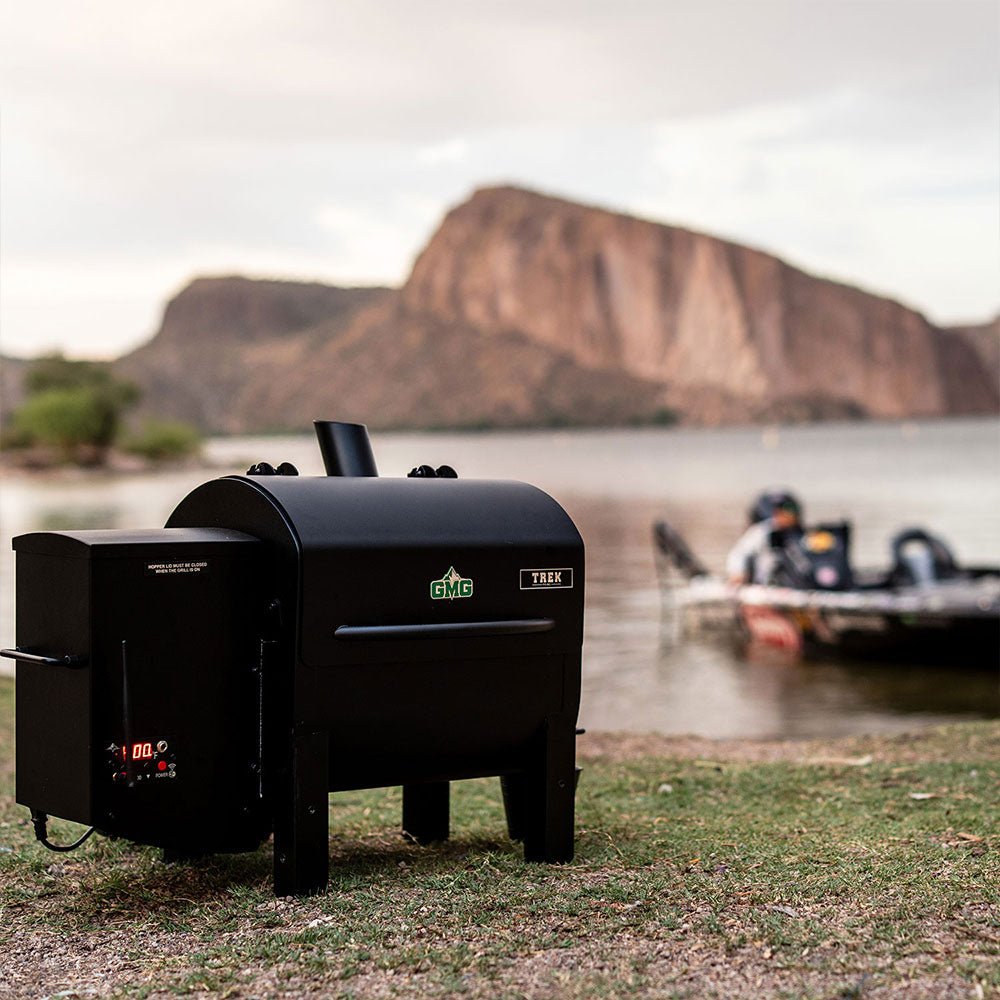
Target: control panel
x,y
133,763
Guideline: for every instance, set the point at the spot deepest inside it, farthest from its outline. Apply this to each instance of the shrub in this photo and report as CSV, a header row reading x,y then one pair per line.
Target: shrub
x,y
163,439
73,408
67,420
665,417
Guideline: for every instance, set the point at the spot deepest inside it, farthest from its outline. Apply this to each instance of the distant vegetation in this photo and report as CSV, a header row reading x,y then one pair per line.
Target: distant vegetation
x,y
75,413
164,439
665,416
662,417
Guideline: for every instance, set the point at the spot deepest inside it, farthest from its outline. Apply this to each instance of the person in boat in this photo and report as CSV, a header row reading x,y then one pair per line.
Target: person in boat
x,y
752,559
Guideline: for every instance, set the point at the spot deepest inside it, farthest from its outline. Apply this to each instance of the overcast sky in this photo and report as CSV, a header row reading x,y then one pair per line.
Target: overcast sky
x,y
144,143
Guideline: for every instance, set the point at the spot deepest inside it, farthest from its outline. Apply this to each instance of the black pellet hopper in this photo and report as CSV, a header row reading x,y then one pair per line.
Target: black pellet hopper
x,y
203,685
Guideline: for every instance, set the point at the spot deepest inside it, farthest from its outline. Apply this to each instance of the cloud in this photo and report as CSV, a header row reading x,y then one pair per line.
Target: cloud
x,y
151,142
822,183
443,152
356,71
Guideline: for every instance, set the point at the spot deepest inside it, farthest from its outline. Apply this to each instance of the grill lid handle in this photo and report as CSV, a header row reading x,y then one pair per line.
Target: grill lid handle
x,y
445,630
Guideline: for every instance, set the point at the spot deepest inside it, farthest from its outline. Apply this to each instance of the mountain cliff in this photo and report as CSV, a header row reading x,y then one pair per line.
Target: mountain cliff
x,y
369,360
526,309
984,339
222,339
688,310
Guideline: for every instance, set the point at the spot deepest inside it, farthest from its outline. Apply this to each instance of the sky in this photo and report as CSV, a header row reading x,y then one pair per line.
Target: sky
x,y
142,144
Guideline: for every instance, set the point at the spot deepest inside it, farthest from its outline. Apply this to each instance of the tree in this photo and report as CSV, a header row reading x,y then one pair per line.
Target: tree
x,y
74,407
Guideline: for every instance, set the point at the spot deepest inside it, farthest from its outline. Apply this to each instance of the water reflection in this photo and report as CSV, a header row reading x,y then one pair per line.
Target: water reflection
x,y
615,484
772,695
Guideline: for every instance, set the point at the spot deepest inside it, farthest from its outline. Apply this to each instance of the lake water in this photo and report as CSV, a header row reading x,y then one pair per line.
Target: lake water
x,y
615,483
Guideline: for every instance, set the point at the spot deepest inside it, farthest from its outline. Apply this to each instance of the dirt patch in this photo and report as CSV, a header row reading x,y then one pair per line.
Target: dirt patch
x,y
78,967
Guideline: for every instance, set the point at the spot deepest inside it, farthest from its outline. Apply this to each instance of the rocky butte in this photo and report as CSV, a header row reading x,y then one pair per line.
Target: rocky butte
x,y
526,309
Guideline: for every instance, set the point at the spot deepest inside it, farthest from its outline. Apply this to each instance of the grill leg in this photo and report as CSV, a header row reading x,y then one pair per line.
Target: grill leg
x,y
516,791
548,831
426,811
301,823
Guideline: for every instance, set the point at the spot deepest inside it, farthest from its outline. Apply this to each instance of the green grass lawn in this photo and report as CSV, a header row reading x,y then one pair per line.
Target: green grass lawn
x,y
872,872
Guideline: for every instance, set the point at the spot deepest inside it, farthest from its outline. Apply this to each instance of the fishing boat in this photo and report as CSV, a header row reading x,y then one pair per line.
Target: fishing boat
x,y
923,608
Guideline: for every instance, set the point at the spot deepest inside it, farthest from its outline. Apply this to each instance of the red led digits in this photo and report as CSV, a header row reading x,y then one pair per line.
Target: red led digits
x,y
142,751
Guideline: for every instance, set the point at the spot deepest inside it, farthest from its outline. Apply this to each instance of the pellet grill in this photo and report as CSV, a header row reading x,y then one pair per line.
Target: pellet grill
x,y
200,686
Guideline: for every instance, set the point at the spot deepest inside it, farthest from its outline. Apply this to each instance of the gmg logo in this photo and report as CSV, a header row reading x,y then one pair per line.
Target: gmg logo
x,y
450,586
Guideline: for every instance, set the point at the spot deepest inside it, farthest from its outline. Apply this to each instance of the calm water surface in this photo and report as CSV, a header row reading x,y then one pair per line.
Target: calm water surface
x,y
945,476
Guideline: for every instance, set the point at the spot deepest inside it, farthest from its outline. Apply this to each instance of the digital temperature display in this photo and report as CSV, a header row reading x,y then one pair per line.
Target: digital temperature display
x,y
134,763
141,751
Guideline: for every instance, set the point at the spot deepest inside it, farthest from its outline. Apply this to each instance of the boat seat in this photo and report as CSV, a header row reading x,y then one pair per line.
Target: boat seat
x,y
920,558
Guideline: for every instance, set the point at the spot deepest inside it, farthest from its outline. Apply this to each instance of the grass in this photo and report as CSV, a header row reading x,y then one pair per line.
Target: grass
x,y
731,877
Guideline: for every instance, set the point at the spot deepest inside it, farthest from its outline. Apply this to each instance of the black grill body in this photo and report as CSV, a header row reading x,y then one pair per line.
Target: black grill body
x,y
286,637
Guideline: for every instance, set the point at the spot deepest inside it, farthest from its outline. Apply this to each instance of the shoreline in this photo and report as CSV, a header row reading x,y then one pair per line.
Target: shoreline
x,y
928,743
119,464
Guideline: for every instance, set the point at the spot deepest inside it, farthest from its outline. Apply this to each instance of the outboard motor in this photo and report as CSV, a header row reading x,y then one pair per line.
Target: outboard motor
x,y
199,686
920,558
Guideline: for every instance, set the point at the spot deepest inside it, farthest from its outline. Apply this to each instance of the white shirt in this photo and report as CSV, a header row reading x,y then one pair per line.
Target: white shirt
x,y
755,544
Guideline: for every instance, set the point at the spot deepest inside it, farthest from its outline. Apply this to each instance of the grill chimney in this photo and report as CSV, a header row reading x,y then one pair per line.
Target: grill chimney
x,y
346,449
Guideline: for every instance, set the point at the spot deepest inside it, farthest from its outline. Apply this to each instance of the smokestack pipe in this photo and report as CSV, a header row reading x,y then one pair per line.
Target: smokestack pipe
x,y
346,449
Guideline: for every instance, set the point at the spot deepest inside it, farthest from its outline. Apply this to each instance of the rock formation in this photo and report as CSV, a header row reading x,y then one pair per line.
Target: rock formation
x,y
526,309
690,311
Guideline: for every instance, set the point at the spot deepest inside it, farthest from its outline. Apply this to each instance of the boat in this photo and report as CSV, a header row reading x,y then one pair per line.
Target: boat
x,y
923,608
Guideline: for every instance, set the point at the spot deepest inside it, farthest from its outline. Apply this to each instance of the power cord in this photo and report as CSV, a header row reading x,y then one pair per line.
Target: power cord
x,y
39,821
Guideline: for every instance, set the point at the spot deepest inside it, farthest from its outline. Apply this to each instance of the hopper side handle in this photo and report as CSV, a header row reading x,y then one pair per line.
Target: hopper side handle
x,y
50,661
